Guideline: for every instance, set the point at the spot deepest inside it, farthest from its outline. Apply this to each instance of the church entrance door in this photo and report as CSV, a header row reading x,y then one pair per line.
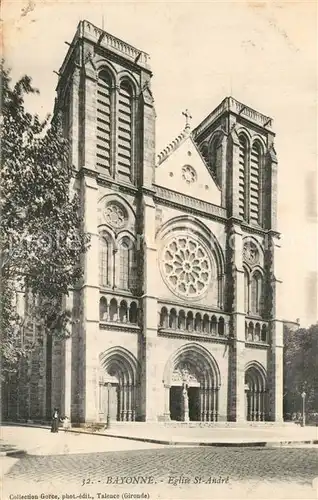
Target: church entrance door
x,y
176,403
194,403
109,398
191,382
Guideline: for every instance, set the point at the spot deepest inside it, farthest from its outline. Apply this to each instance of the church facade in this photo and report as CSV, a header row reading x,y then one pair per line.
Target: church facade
x,y
177,314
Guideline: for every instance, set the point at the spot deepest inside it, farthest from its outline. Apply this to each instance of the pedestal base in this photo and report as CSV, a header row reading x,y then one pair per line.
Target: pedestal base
x,y
186,417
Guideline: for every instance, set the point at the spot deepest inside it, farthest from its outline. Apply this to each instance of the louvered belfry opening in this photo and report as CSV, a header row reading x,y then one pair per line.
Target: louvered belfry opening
x,y
242,176
103,152
125,131
255,184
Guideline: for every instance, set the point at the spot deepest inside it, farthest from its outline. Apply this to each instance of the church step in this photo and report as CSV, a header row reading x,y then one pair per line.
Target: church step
x,y
191,425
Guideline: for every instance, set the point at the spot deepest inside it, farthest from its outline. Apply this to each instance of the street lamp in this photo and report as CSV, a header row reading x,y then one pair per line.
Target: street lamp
x,y
303,423
108,410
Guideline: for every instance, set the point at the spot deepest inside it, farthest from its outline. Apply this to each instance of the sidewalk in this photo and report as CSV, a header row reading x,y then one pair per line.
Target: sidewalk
x,y
40,441
158,434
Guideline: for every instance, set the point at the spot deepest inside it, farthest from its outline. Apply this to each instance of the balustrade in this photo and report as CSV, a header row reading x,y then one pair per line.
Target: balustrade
x,y
118,310
256,331
185,320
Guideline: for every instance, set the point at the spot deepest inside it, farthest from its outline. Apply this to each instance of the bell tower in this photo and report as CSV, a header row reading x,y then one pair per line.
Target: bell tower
x,y
238,146
104,96
237,143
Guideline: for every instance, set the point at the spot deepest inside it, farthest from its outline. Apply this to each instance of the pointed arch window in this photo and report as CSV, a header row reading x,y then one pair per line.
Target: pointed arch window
x,y
124,264
133,269
125,112
246,291
127,264
103,123
255,188
256,293
243,164
104,261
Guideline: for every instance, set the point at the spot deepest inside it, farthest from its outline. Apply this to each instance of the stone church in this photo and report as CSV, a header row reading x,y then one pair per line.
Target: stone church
x,y
178,316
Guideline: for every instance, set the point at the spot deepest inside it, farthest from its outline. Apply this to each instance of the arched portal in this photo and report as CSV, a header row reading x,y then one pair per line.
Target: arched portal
x,y
255,392
118,385
192,381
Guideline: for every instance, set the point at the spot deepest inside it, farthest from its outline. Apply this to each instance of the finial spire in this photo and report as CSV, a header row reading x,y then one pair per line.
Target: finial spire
x,y
188,117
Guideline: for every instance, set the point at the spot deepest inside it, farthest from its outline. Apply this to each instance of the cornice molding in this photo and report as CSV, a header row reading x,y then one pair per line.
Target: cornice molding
x,y
193,336
118,327
118,293
86,172
185,203
256,345
116,186
252,229
147,191
193,306
232,106
105,40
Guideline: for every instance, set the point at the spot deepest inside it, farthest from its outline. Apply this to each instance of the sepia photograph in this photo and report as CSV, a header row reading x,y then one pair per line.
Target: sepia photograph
x,y
158,250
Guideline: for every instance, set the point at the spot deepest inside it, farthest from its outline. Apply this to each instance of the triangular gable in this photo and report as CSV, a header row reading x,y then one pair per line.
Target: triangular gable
x,y
184,171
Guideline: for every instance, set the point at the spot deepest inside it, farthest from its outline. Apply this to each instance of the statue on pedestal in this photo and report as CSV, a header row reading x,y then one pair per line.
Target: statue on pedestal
x,y
185,403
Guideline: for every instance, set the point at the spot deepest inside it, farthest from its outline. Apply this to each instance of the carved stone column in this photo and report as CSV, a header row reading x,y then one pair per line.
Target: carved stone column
x,y
167,402
129,402
216,414
201,404
121,396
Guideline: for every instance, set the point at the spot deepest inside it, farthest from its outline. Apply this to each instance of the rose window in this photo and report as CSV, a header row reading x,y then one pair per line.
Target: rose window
x,y
186,267
115,215
250,252
189,174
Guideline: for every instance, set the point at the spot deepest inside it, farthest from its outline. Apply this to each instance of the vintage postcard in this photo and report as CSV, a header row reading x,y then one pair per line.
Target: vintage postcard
x,y
159,250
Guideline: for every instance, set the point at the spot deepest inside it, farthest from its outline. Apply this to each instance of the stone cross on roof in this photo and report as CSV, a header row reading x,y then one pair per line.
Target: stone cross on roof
x,y
188,117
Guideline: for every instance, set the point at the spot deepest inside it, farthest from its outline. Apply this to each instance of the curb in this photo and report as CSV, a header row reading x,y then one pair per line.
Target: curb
x,y
242,444
13,453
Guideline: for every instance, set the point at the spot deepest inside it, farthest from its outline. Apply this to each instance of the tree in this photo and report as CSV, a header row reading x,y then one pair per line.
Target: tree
x,y
41,229
301,369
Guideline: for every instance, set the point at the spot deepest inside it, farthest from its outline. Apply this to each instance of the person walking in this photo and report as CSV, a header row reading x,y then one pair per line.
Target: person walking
x,y
55,420
66,423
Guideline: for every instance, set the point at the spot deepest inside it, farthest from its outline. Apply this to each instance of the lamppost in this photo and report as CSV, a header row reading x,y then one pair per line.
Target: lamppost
x,y
108,409
303,423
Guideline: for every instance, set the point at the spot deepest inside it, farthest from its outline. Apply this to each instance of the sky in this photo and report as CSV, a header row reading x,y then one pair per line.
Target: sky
x,y
262,53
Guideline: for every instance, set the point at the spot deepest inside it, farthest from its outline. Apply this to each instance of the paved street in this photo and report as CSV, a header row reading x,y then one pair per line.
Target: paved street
x,y
173,472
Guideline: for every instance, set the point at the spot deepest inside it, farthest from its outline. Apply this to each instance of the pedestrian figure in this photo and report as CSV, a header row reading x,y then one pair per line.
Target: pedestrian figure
x,y
55,420
66,423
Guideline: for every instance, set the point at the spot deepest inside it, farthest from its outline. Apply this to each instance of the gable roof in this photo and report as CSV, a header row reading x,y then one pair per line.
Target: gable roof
x,y
181,168
173,145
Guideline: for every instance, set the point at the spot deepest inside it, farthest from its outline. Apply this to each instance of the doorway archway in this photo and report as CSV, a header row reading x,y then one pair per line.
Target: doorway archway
x,y
118,385
256,397
192,381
